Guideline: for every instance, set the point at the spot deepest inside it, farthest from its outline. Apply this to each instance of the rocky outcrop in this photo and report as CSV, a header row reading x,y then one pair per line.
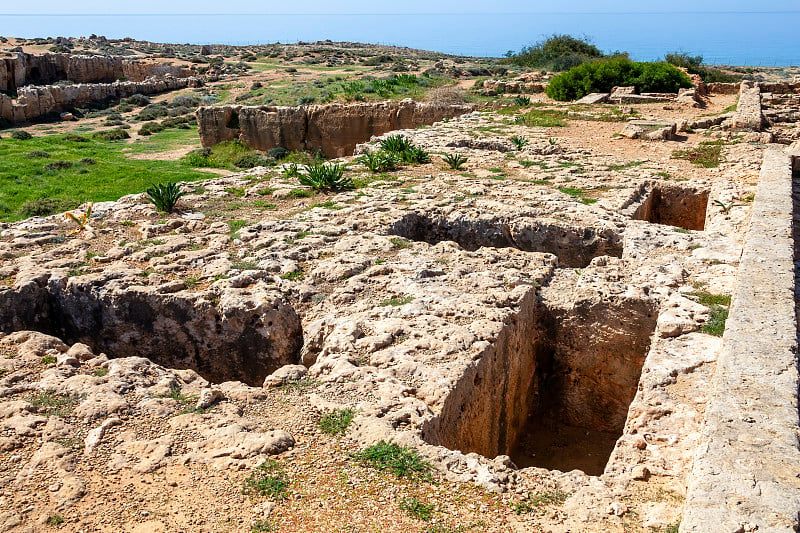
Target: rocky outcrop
x,y
225,334
333,129
27,69
532,82
35,102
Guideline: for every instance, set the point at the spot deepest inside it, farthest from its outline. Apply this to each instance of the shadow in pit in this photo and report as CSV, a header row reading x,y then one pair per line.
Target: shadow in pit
x,y
671,205
241,340
573,245
553,391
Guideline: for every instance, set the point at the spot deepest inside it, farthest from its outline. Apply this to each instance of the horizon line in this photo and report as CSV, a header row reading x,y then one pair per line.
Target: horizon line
x,y
784,11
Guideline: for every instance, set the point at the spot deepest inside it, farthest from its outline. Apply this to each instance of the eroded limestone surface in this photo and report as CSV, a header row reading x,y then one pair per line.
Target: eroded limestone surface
x,y
472,316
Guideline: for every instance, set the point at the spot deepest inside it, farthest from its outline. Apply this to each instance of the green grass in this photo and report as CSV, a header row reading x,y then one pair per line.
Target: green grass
x,y
399,243
707,154
54,520
269,479
543,118
24,180
718,305
54,404
401,461
578,193
169,139
337,421
397,302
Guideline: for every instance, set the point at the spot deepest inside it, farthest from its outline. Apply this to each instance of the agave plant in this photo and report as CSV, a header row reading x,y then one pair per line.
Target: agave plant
x,y
164,196
455,161
81,221
522,101
415,155
395,143
380,161
320,176
519,142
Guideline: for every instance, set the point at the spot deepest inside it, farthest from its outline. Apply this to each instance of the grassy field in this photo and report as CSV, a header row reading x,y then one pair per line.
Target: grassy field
x,y
57,172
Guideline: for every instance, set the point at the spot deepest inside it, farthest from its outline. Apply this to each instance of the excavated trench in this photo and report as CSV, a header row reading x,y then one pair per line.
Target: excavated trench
x,y
574,246
553,391
683,207
238,335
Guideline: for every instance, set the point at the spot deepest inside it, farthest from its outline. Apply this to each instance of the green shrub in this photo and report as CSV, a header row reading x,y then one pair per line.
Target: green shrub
x,y
519,142
58,165
112,135
152,112
278,153
164,196
694,65
417,508
603,75
36,154
320,176
149,128
138,100
45,206
557,53
252,160
71,137
21,135
707,154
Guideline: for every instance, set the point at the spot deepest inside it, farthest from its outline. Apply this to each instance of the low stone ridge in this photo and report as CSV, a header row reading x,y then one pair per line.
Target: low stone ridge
x,y
651,130
334,129
34,102
28,69
748,112
744,475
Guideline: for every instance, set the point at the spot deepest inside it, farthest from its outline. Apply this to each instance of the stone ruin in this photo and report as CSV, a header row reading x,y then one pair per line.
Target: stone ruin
x,y
527,335
29,88
335,129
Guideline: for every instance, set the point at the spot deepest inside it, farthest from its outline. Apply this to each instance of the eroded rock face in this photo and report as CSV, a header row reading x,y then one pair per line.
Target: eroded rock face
x,y
234,334
27,69
34,102
334,129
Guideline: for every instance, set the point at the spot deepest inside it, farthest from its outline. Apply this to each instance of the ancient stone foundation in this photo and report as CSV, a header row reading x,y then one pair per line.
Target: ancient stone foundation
x,y
671,205
333,129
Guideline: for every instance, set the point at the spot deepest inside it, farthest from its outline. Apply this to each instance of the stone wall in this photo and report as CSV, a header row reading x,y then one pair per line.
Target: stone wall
x,y
744,474
334,129
35,102
26,69
748,111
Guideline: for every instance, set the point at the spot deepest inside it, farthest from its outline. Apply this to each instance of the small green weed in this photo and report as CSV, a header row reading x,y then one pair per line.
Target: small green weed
x,y
519,142
707,154
54,520
54,404
48,360
337,421
397,302
417,508
578,193
100,372
293,276
403,462
270,479
400,243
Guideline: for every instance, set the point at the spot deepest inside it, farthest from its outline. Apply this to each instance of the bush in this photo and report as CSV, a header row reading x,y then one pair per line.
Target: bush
x,y
278,153
153,112
138,100
37,154
455,161
185,100
71,137
149,128
252,160
116,134
390,457
415,155
694,65
58,165
395,143
45,206
21,135
557,53
603,75
164,196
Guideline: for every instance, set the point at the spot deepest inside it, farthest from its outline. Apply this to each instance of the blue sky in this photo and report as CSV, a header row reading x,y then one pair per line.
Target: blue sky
x,y
41,7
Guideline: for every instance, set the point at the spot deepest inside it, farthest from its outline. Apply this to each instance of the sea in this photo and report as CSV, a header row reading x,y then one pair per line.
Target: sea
x,y
727,38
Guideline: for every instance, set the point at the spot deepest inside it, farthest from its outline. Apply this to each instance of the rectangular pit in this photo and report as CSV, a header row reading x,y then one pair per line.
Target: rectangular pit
x,y
682,207
574,246
553,391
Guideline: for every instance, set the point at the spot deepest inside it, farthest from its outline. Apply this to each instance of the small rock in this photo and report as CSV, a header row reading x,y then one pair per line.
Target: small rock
x,y
209,397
